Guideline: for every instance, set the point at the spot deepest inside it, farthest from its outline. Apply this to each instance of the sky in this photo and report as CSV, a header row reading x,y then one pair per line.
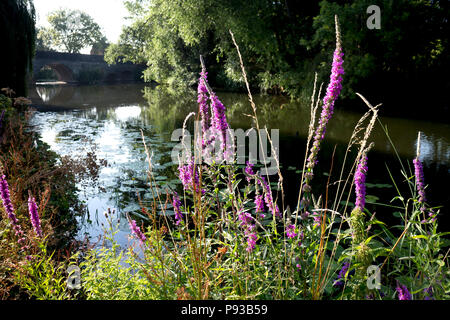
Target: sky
x,y
109,14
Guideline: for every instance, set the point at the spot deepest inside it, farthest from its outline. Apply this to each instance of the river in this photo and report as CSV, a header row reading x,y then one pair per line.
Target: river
x,y
75,119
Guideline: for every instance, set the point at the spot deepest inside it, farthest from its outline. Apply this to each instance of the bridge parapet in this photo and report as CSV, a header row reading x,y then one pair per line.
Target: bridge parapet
x,y
68,65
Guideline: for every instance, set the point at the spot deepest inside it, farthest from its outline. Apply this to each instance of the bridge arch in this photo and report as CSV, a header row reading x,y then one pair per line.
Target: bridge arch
x,y
63,72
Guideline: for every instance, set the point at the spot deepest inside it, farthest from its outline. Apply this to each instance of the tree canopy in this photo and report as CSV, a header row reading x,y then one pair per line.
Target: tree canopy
x,y
17,35
70,31
284,42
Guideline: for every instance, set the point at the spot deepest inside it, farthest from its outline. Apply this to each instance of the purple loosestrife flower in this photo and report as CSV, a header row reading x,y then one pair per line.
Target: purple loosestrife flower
x,y
219,120
188,178
7,204
203,104
418,172
251,241
137,231
245,218
360,180
9,209
176,206
34,216
290,231
259,203
403,293
249,229
341,275
249,170
317,219
268,198
332,93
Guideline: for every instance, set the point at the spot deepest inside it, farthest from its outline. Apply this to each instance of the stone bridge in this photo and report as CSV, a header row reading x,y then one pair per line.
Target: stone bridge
x,y
67,67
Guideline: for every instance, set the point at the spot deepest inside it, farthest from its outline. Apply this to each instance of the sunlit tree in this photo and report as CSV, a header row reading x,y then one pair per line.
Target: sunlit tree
x,y
70,31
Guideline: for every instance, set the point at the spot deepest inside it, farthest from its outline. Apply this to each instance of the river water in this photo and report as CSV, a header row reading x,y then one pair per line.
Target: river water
x,y
74,120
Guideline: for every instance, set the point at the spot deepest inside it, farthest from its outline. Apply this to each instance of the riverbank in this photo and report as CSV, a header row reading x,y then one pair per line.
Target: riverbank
x,y
31,169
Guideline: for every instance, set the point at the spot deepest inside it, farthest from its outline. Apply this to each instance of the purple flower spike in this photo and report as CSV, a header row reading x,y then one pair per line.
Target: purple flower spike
x,y
249,170
251,241
290,231
7,204
176,205
9,209
333,91
203,104
360,180
219,120
418,172
137,231
403,293
249,229
259,203
34,216
268,198
189,179
341,276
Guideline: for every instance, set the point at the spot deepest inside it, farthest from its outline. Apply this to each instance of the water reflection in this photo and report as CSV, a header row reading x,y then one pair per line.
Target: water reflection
x,y
47,93
111,116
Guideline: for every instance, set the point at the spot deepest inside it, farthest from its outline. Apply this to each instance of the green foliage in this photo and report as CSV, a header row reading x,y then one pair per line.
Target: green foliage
x,y
112,274
399,55
17,35
71,31
44,39
284,43
43,278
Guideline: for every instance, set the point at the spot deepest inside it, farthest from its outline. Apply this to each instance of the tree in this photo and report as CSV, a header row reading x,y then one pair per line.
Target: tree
x,y
170,35
100,46
17,36
71,31
283,42
43,39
